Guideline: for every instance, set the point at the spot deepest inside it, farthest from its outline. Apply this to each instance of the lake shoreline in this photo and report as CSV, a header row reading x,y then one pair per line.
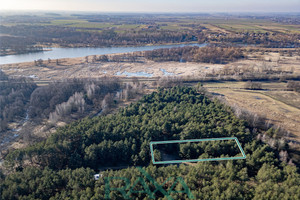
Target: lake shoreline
x,y
51,47
14,54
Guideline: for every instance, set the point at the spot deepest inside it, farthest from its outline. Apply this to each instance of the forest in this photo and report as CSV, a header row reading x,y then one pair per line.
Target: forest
x,y
122,139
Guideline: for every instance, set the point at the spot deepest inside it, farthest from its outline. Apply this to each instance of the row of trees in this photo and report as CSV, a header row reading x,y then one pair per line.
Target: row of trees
x,y
128,57
253,85
267,39
17,45
209,54
294,85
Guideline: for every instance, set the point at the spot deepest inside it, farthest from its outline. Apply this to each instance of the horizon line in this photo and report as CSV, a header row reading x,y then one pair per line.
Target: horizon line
x,y
155,12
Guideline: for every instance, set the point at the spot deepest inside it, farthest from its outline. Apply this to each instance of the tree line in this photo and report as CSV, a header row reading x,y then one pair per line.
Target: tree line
x,y
294,85
267,39
32,35
17,45
210,54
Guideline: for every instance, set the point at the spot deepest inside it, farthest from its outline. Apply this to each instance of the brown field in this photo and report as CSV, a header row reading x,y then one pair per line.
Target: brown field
x,y
280,107
77,68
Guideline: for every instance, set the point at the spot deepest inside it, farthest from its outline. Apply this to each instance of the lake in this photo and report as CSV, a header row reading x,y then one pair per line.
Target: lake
x,y
57,53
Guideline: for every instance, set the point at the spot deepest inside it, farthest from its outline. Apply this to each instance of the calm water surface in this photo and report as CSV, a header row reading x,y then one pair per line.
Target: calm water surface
x,y
57,53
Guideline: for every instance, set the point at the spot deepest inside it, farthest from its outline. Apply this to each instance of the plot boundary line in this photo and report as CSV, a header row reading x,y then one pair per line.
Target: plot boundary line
x,y
196,160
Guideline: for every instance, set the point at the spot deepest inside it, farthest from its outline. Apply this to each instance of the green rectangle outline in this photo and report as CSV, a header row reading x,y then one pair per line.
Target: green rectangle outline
x,y
196,160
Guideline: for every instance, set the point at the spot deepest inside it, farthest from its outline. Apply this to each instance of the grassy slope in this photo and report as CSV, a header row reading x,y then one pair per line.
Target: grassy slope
x,y
281,107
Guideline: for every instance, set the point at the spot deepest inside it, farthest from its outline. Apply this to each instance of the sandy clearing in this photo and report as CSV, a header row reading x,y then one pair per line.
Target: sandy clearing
x,y
74,69
78,68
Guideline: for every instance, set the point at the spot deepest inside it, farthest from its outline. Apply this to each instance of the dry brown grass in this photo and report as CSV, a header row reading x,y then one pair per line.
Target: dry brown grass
x,y
280,107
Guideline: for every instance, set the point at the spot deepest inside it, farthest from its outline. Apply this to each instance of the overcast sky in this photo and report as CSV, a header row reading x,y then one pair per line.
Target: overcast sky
x,y
155,5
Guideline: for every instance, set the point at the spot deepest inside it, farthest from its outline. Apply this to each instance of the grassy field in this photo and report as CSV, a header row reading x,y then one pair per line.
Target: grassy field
x,y
289,98
240,85
102,25
280,107
215,24
241,25
242,28
67,22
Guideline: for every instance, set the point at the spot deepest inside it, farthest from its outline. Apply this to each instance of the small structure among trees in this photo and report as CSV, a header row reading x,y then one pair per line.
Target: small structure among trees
x,y
97,176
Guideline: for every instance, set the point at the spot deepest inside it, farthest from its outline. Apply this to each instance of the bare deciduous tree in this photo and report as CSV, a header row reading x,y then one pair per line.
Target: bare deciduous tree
x,y
76,103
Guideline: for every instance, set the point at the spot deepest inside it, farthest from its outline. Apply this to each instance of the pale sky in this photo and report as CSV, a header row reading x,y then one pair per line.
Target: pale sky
x,y
155,5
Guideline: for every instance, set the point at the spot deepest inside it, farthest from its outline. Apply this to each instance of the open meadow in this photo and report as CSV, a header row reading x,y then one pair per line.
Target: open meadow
x,y
274,103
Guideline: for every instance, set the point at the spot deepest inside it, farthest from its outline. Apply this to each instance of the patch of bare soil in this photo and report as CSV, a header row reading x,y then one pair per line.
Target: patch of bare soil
x,y
79,68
